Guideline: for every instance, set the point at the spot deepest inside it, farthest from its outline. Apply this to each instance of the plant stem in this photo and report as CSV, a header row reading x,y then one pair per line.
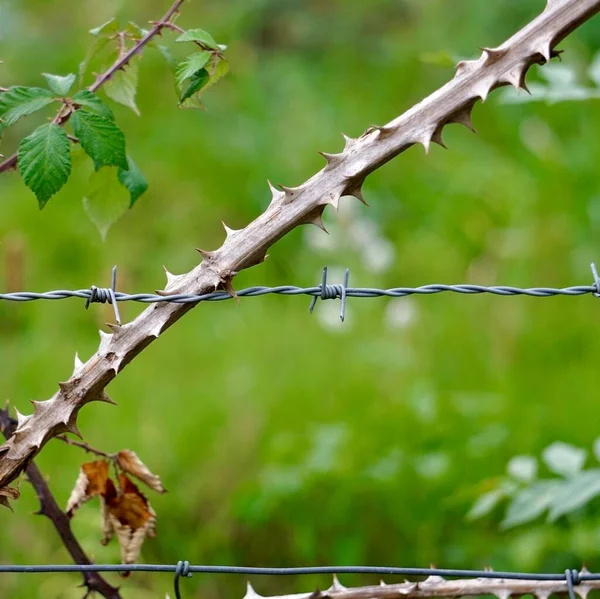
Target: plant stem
x,y
83,445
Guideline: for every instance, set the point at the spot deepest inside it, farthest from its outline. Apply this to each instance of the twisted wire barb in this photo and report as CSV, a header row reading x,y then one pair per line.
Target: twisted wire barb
x,y
360,292
324,291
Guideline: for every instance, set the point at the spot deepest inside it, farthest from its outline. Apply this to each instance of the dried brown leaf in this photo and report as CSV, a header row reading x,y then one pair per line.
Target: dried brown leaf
x,y
92,481
130,463
107,528
131,517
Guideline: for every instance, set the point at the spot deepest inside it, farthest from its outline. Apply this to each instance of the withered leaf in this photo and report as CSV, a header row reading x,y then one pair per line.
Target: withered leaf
x,y
107,528
131,517
92,481
130,463
7,493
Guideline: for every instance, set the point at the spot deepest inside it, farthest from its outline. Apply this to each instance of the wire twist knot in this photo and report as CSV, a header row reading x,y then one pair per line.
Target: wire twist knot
x,y
102,295
332,292
573,576
182,569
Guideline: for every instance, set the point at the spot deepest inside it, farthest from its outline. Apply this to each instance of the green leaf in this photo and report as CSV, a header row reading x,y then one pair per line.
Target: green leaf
x,y
20,101
167,55
133,180
102,35
136,31
485,504
199,35
60,85
95,48
197,81
122,87
105,200
190,66
44,161
93,102
217,69
575,492
564,459
102,140
107,29
529,503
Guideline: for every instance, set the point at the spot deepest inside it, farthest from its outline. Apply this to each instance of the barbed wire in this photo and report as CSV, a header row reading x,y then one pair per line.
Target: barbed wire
x,y
324,291
435,576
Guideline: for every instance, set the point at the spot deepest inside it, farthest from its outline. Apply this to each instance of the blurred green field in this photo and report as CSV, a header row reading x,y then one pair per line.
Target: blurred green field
x,y
285,439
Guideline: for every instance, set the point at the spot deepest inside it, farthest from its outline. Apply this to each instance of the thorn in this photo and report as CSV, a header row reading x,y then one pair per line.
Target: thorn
x,y
464,67
105,339
434,579
228,231
482,91
332,159
40,406
276,195
72,428
463,117
65,387
171,278
383,131
315,217
357,193
334,200
103,397
382,584
493,54
336,585
78,364
21,419
348,141
115,328
516,78
546,50
290,192
156,332
437,138
206,255
229,288
250,592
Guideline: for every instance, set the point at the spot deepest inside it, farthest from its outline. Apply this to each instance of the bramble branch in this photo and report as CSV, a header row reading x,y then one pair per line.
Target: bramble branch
x,y
436,586
48,507
122,61
343,175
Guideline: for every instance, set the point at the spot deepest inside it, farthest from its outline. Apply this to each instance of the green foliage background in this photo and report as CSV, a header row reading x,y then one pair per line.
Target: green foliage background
x,y
283,441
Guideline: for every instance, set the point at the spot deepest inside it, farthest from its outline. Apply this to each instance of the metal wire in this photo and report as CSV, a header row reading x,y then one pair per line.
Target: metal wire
x,y
331,292
575,576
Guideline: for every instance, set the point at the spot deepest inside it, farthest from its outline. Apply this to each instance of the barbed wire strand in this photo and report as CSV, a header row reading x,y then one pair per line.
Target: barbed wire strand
x,y
324,291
